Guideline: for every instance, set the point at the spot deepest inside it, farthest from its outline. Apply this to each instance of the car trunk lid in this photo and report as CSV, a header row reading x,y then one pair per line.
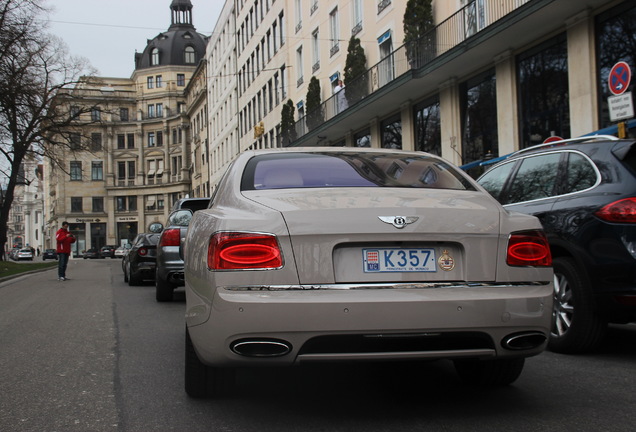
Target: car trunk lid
x,y
354,235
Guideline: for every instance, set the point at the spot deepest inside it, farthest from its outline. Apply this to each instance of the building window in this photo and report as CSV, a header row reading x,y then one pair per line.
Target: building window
x,y
131,169
616,41
299,66
154,57
76,205
151,111
96,142
151,202
75,111
98,204
362,138
391,130
479,117
159,138
120,203
151,139
131,140
299,15
357,17
543,71
159,81
159,110
190,55
181,80
75,141
123,114
316,51
428,131
383,4
96,114
76,171
334,28
150,82
97,170
121,141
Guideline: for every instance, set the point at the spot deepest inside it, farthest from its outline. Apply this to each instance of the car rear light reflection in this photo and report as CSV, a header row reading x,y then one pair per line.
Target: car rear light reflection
x,y
142,251
621,211
529,248
236,251
170,237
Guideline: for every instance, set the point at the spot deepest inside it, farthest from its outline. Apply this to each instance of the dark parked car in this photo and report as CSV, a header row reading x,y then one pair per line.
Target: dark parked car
x,y
584,192
139,263
169,273
108,251
91,253
49,254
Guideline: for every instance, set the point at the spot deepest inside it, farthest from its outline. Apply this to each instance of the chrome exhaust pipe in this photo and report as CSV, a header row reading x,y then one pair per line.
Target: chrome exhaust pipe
x,y
523,341
261,348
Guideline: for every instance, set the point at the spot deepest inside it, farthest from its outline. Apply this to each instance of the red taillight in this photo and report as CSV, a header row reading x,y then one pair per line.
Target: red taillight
x,y
170,237
528,248
235,251
142,251
621,211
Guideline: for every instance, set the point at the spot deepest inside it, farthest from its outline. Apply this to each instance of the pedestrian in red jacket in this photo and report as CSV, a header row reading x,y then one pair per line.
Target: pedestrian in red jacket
x,y
64,241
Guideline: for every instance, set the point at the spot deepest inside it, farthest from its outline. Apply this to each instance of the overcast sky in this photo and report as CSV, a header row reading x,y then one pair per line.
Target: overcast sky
x,y
107,32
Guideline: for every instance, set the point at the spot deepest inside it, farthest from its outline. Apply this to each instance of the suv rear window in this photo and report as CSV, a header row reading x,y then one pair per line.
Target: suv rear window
x,y
343,169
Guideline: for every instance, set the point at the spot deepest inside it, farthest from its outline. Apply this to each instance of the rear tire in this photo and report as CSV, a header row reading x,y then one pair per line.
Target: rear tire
x,y
492,373
164,291
203,381
133,278
576,327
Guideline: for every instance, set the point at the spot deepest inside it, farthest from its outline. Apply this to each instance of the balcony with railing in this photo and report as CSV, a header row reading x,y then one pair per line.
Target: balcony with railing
x,y
468,22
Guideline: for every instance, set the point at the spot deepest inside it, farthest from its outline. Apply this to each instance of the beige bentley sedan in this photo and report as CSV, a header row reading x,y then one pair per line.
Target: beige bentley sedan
x,y
347,254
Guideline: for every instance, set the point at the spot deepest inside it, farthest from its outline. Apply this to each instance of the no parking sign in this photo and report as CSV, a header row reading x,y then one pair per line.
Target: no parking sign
x,y
619,78
620,105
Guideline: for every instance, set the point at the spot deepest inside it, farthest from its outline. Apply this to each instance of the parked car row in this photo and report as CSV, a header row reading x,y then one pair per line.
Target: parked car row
x,y
18,254
155,256
355,254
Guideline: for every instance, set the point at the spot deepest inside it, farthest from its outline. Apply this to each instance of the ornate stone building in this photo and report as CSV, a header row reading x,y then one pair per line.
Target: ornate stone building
x,y
133,149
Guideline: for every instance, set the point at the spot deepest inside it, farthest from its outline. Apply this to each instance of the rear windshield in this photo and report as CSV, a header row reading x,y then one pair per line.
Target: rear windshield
x,y
350,169
194,205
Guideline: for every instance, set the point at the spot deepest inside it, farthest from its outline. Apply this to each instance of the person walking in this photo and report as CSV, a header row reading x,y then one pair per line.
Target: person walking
x,y
64,241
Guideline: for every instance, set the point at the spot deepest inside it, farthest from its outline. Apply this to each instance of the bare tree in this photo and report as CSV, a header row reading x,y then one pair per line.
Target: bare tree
x,y
35,74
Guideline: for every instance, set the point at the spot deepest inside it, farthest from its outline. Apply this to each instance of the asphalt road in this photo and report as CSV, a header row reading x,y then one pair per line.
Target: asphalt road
x,y
93,354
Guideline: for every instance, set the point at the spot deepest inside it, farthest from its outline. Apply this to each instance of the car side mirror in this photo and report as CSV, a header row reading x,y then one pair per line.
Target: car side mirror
x,y
155,227
180,217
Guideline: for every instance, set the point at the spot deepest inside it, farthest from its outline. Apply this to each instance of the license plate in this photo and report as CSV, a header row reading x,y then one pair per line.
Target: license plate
x,y
399,260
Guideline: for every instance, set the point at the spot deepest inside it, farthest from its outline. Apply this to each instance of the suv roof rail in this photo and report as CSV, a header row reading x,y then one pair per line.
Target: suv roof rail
x,y
567,141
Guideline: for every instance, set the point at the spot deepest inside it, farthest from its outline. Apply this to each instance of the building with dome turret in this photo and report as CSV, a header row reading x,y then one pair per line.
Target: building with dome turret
x,y
132,158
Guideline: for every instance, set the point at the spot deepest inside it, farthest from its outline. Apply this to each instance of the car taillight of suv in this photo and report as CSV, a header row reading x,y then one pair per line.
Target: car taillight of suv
x,y
621,211
170,237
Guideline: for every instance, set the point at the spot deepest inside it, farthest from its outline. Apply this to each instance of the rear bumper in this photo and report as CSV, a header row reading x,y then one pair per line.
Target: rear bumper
x,y
171,272
328,323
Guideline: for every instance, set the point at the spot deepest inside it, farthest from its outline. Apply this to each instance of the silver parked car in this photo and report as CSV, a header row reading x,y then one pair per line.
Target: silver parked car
x,y
324,254
169,271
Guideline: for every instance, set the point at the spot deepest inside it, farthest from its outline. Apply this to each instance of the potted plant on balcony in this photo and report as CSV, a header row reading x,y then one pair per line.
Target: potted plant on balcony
x,y
355,73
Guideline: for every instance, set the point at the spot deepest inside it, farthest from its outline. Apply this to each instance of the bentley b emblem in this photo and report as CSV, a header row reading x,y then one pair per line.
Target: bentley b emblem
x,y
398,221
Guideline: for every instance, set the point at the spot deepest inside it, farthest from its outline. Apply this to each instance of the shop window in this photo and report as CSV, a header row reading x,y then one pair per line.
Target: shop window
x,y
479,117
542,76
428,131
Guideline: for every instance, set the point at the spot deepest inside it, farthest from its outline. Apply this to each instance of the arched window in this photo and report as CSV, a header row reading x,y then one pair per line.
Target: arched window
x,y
154,57
190,56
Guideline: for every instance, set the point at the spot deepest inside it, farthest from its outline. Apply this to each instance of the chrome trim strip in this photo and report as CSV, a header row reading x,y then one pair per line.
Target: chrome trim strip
x,y
379,286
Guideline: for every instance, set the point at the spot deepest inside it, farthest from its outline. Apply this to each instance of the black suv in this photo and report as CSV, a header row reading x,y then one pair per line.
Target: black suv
x,y
584,192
